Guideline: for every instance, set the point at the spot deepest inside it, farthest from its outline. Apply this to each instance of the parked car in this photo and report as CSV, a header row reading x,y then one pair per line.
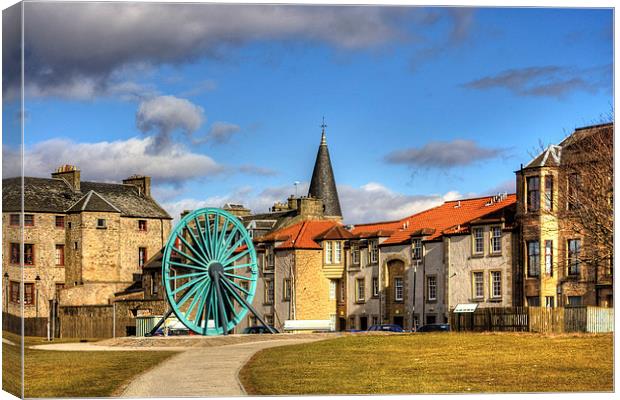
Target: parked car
x,y
258,330
386,328
434,328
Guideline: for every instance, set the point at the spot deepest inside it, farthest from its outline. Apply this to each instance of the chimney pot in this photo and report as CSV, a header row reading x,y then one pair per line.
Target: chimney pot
x,y
70,174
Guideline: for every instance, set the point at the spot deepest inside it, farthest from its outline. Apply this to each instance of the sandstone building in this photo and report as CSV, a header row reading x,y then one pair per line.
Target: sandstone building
x,y
83,241
565,214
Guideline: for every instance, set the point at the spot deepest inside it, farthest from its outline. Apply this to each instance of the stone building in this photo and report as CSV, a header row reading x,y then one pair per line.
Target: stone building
x,y
415,270
83,241
565,214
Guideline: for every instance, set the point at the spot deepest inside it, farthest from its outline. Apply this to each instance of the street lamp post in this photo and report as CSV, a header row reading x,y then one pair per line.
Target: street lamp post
x,y
6,291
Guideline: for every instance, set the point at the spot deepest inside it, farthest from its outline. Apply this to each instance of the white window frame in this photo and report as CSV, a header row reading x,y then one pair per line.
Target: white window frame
x,y
332,289
360,290
478,285
399,288
416,249
496,284
496,240
373,249
476,240
375,286
431,290
355,253
337,252
328,252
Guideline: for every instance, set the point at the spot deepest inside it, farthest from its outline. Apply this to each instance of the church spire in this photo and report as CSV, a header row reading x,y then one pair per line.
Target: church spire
x,y
323,184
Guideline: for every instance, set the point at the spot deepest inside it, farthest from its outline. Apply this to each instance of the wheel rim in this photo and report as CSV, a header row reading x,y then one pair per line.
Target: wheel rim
x,y
202,283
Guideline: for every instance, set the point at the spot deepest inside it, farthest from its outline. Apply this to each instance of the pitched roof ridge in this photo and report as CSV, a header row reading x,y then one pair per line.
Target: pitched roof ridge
x,y
301,231
88,196
477,198
378,223
104,199
76,202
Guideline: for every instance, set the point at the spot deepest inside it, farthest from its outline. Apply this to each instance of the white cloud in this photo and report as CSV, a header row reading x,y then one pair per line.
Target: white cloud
x,y
113,161
166,114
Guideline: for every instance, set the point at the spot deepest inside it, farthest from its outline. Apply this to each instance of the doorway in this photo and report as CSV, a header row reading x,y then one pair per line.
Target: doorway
x,y
363,323
400,321
342,324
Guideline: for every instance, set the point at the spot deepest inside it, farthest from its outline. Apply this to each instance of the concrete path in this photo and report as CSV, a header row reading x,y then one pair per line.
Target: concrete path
x,y
201,372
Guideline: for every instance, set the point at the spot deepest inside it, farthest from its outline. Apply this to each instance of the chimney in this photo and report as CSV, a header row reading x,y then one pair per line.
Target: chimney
x,y
70,174
142,182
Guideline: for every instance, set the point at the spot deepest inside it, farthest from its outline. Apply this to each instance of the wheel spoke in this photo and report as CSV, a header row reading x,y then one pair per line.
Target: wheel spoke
x,y
247,265
190,266
198,296
201,237
246,278
192,249
186,285
235,258
235,294
198,244
214,306
230,303
216,221
189,293
201,305
220,239
175,277
232,249
207,308
187,256
230,237
235,285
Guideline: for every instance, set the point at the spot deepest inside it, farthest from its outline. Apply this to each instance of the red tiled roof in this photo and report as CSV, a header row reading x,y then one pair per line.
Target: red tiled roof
x,y
447,217
300,235
385,228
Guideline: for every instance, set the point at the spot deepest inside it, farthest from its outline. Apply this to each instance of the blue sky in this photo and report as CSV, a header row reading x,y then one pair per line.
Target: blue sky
x,y
223,104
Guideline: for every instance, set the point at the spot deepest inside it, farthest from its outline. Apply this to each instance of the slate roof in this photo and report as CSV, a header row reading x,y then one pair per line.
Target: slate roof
x,y
93,202
323,183
51,195
447,218
302,235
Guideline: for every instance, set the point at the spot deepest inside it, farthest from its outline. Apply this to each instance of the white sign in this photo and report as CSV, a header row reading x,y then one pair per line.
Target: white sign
x,y
465,308
308,325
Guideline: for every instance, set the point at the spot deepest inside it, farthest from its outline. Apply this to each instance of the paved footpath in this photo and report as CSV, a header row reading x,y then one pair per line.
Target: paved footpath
x,y
210,371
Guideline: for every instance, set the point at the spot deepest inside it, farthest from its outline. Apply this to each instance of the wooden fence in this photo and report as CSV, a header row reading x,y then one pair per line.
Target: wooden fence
x,y
536,319
32,326
86,321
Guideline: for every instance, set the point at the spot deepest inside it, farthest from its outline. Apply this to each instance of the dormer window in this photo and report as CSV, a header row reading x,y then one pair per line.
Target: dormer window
x,y
416,249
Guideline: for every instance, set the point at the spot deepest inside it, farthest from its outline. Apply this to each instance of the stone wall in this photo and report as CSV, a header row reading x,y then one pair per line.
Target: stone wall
x,y
312,287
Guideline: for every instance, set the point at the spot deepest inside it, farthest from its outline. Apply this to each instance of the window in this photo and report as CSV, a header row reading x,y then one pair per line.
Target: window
x,y
154,286
374,251
270,258
14,219
269,319
69,225
574,300
342,293
549,301
355,253
101,223
375,287
574,184
76,245
416,249
59,221
352,323
328,252
398,289
286,289
268,291
245,285
533,301
549,193
533,259
478,278
141,256
142,225
375,320
549,257
28,293
28,220
496,284
337,252
60,254
533,193
431,288
574,250
28,253
496,239
361,290
478,236
332,289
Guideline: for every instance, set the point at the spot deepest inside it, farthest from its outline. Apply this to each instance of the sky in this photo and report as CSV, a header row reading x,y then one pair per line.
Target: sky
x,y
223,103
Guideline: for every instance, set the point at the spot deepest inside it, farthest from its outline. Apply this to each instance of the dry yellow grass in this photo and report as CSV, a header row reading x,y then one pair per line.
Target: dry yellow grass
x,y
72,373
435,363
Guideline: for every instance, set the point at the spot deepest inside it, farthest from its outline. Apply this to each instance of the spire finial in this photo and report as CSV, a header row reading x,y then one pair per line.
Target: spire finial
x,y
323,126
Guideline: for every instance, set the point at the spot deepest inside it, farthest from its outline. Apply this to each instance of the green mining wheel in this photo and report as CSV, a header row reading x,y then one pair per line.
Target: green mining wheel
x,y
207,292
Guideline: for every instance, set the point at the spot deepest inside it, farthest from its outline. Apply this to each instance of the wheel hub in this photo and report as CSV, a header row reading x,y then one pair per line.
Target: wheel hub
x,y
215,269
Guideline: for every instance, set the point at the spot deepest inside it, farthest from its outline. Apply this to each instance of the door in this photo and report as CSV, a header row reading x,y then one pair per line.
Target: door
x,y
342,324
400,321
363,323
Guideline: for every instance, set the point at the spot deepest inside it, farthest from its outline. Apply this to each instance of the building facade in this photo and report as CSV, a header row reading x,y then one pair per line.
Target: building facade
x,y
83,241
565,215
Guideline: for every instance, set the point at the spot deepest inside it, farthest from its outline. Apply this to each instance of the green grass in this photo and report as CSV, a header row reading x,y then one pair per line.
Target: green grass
x,y
73,373
434,363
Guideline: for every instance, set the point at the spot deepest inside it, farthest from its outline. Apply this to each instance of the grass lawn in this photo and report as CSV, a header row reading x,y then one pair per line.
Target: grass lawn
x,y
434,363
72,373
